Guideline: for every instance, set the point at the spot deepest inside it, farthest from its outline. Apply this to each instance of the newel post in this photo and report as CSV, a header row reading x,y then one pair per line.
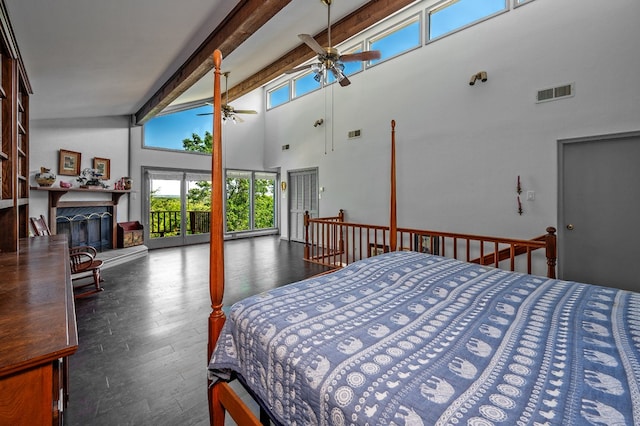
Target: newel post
x,y
341,220
306,234
551,253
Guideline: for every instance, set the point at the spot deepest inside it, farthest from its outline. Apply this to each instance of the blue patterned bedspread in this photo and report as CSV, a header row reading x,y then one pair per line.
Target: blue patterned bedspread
x,y
411,339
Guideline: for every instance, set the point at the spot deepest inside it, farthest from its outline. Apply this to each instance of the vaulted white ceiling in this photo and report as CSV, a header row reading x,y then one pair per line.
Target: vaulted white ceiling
x,y
89,58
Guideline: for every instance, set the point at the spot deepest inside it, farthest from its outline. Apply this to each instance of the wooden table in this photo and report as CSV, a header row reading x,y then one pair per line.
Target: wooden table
x,y
37,331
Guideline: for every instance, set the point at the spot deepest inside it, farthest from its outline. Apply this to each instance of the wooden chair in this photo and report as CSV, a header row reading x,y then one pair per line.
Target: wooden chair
x,y
82,260
39,226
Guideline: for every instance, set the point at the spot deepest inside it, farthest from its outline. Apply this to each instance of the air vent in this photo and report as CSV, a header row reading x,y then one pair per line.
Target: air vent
x,y
554,93
355,134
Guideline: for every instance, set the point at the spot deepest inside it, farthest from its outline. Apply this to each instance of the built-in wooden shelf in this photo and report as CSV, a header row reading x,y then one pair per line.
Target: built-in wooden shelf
x,y
21,129
3,94
4,156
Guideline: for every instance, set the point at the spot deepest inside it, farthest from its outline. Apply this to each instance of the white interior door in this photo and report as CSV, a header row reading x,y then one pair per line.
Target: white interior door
x,y
303,196
600,205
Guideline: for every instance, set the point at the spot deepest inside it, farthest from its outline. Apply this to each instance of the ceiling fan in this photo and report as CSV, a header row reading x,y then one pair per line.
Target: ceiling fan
x,y
229,112
329,59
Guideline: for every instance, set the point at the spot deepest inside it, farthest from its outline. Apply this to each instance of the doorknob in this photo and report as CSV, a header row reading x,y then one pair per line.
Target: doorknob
x,y
570,227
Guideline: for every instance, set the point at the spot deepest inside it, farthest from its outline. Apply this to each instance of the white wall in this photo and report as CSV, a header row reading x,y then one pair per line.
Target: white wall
x,y
460,148
103,137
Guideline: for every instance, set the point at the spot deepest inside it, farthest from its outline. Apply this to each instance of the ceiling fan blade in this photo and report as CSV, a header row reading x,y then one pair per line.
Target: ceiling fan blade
x,y
205,113
300,68
245,111
312,43
367,55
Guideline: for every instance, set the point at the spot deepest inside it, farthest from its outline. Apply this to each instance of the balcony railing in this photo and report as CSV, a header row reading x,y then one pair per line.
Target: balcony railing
x,y
167,223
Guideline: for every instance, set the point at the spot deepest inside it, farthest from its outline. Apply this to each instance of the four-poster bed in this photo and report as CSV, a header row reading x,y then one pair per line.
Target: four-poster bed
x,y
407,338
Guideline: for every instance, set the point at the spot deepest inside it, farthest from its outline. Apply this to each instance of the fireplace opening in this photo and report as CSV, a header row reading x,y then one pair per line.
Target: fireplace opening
x,y
86,226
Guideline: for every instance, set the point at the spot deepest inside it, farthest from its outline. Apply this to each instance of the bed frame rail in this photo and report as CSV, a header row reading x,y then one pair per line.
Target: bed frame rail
x,y
335,243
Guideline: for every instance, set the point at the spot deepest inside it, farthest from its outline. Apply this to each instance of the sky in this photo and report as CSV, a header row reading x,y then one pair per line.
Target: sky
x,y
168,131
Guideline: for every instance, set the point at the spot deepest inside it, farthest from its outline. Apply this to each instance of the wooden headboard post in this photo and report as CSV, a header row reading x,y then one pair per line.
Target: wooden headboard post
x,y
216,241
393,222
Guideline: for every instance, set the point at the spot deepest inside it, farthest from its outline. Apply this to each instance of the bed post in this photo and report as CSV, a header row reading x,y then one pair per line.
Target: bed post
x,y
393,226
216,242
550,242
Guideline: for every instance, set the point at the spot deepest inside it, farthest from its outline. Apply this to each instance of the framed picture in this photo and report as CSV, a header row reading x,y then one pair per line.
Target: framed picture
x,y
426,244
69,163
103,166
376,249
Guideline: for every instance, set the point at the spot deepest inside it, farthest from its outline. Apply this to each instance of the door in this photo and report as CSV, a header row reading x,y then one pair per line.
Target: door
x,y
599,210
177,212
303,196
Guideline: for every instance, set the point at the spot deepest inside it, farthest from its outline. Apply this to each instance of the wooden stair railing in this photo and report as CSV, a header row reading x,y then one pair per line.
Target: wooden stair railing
x,y
335,243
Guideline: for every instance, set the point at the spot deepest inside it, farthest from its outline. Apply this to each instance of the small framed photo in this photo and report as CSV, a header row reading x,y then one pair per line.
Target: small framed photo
x,y
69,163
103,166
376,249
426,244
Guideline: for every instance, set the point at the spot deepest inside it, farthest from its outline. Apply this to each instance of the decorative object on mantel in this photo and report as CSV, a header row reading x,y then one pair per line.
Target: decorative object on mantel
x,y
69,163
124,183
64,184
91,179
103,166
45,177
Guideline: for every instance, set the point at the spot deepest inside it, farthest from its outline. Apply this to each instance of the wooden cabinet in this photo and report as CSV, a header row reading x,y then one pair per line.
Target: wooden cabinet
x,y
37,332
14,147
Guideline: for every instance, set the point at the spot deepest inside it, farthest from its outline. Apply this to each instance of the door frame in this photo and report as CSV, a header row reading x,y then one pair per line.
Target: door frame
x,y
183,238
289,198
562,143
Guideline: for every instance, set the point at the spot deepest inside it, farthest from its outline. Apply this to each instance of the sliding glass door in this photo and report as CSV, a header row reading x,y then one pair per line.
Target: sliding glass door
x,y
177,211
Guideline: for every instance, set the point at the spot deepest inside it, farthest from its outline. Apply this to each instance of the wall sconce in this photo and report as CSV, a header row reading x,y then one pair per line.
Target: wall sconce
x,y
482,76
318,122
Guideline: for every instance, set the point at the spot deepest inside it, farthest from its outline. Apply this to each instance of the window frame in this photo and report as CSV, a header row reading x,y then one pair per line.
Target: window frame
x,y
270,91
518,3
436,7
170,111
294,80
252,230
404,23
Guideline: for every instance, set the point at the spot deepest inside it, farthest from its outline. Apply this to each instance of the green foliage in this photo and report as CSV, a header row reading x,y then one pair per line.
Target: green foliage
x,y
237,204
199,200
197,144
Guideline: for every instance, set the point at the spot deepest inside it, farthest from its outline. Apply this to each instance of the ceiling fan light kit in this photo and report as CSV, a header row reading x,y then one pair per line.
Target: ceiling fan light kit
x,y
229,112
329,58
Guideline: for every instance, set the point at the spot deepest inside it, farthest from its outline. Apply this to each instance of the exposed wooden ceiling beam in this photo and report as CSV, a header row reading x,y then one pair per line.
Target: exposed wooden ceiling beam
x,y
245,19
350,25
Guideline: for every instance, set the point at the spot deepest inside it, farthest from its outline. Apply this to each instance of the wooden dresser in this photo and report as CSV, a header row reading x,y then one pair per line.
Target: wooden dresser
x,y
37,331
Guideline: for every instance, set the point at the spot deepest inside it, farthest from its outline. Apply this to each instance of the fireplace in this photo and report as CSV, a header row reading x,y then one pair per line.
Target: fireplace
x,y
90,226
85,222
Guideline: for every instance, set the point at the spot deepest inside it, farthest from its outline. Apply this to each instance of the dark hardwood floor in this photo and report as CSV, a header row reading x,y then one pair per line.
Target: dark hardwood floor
x,y
142,342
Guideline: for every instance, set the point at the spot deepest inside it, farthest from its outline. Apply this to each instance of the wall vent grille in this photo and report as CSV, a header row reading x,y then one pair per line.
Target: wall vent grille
x,y
355,134
553,93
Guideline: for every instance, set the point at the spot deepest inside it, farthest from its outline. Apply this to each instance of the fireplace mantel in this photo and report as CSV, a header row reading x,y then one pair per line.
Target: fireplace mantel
x,y
56,193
